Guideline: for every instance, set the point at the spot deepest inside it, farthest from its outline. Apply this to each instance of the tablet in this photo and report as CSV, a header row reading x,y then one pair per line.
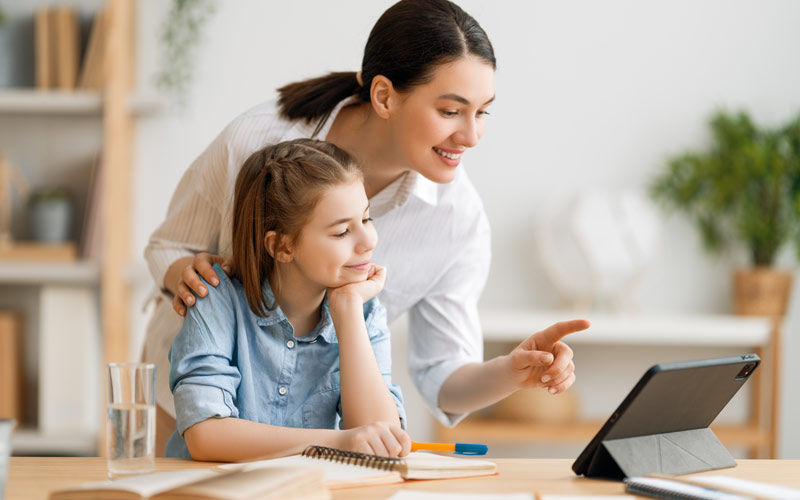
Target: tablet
x,y
672,397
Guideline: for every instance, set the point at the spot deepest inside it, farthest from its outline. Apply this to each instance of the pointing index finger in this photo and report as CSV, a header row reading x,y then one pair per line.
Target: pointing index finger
x,y
558,331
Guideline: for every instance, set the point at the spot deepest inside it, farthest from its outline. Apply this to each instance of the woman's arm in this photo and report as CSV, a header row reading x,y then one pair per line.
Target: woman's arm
x,y
365,396
542,360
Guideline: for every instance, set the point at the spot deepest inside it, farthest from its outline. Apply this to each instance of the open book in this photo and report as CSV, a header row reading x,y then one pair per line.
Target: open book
x,y
206,484
345,469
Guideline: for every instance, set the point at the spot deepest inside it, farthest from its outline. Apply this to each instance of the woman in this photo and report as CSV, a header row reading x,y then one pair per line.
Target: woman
x,y
418,104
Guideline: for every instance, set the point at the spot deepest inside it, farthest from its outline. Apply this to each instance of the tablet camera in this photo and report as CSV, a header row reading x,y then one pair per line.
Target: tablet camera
x,y
745,371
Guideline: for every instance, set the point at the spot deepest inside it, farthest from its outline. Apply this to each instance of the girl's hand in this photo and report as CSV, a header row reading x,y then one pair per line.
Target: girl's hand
x,y
378,438
542,360
189,282
363,290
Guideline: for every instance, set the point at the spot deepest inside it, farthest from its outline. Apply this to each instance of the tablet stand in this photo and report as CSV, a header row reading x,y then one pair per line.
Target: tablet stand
x,y
670,453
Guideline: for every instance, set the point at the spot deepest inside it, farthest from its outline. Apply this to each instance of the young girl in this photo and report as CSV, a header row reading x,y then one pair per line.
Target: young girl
x,y
272,357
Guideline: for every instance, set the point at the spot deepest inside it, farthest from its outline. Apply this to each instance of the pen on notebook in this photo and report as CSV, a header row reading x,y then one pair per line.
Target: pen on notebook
x,y
460,448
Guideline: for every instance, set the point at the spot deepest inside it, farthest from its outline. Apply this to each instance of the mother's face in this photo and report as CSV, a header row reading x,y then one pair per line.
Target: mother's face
x,y
434,124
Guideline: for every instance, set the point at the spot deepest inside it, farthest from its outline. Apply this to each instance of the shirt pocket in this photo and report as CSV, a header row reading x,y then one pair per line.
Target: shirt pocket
x,y
320,408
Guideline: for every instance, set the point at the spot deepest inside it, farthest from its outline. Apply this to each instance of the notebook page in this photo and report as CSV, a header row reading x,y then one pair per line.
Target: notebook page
x,y
422,465
337,475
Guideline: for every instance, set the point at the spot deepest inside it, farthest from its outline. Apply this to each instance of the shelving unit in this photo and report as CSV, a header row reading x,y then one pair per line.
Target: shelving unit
x,y
757,433
76,312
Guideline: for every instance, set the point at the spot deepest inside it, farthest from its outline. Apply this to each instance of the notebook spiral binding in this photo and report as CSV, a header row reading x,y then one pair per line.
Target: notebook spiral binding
x,y
656,492
352,457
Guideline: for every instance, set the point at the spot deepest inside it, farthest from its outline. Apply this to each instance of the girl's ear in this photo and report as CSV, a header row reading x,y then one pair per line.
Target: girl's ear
x,y
278,247
382,95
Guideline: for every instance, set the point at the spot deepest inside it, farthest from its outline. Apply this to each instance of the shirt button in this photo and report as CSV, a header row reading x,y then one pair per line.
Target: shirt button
x,y
290,344
282,391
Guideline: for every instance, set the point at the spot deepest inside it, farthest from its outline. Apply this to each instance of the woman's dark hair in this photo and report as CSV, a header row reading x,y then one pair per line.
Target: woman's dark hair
x,y
409,41
277,190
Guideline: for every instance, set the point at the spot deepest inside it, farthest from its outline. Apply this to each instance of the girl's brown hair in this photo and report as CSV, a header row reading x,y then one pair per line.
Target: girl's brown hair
x,y
277,190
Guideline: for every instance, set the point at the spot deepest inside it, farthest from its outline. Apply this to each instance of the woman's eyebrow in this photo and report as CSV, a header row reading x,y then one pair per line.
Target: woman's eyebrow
x,y
462,100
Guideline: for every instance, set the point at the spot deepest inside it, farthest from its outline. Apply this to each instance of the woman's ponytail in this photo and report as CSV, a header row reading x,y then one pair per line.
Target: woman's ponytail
x,y
314,99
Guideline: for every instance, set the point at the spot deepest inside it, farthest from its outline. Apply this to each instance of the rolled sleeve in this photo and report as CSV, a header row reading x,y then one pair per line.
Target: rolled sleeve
x,y
380,339
444,325
203,378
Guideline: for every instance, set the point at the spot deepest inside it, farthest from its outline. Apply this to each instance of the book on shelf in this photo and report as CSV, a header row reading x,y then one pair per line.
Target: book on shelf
x,y
44,46
92,74
345,469
56,47
707,487
91,230
10,365
205,484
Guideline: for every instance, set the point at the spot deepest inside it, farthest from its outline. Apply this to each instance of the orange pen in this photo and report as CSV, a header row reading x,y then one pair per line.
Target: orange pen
x,y
459,448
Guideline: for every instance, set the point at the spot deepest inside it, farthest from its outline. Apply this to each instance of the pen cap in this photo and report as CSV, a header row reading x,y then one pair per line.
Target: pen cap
x,y
471,449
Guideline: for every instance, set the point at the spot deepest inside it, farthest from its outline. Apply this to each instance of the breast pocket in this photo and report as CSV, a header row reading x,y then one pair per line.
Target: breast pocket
x,y
320,408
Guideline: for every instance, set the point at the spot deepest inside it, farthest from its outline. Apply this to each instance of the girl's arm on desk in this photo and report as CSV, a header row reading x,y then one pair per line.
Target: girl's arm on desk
x,y
234,439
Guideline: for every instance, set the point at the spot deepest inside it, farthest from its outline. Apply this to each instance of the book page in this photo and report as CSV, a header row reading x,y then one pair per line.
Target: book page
x,y
141,486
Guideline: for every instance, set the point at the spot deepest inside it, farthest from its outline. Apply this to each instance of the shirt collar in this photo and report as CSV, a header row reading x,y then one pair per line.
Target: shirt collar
x,y
324,327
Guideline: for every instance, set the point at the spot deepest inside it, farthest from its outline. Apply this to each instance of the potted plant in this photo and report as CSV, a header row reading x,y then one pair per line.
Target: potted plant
x,y
744,190
51,215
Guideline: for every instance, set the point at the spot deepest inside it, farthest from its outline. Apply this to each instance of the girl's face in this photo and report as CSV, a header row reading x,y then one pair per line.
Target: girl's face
x,y
435,123
335,247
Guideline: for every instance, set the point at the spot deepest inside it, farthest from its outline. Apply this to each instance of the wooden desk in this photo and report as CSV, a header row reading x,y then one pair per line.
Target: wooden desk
x,y
32,478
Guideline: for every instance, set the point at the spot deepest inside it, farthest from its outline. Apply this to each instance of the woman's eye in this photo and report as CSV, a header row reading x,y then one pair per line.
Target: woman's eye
x,y
342,234
449,114
367,220
483,113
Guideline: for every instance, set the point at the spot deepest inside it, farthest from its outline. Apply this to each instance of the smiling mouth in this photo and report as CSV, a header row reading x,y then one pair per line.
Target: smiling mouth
x,y
451,156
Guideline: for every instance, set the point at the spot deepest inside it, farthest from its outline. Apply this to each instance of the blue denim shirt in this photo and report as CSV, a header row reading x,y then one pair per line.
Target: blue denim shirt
x,y
228,362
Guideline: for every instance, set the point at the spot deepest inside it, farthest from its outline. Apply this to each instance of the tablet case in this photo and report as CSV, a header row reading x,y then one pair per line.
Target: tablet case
x,y
662,425
671,453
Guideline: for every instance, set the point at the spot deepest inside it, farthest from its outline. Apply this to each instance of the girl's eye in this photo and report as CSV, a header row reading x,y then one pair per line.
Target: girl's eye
x,y
342,234
449,114
367,220
483,113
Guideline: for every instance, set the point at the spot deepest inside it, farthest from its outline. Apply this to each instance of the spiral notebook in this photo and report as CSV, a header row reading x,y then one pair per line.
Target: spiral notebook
x,y
345,469
708,487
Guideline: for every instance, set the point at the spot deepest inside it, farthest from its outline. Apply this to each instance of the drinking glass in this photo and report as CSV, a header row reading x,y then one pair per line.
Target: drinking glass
x,y
6,425
131,424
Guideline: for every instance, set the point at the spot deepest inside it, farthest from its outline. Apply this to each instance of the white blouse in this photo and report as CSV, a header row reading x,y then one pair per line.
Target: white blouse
x,y
434,240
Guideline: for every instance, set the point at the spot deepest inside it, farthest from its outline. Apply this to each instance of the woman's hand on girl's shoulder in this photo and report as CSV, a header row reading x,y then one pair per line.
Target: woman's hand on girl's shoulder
x,y
379,438
189,283
360,290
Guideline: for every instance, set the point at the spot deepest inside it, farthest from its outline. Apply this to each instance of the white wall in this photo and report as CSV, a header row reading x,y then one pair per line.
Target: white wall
x,y
589,95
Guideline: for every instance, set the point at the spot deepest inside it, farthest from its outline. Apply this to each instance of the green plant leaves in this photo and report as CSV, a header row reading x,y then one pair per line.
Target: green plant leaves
x,y
745,188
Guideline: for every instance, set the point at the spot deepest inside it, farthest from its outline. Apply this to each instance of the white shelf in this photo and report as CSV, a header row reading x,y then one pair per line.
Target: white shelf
x,y
514,325
36,273
32,442
30,101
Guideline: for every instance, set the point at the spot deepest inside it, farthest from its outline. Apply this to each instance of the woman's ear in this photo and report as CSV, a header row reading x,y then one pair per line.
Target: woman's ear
x,y
382,95
278,247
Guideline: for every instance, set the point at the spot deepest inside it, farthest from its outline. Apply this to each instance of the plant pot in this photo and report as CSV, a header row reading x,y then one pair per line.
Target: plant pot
x,y
761,291
51,220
